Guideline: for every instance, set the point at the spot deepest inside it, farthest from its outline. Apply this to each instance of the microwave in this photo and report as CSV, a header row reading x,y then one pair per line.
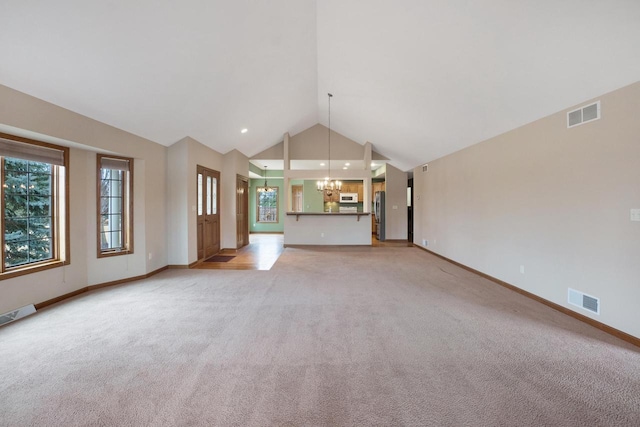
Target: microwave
x,y
348,197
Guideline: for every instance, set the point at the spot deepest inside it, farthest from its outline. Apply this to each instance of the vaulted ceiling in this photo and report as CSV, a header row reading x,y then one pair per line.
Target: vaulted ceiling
x,y
418,79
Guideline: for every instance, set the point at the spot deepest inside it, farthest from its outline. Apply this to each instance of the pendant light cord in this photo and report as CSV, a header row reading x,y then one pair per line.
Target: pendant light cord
x,y
329,162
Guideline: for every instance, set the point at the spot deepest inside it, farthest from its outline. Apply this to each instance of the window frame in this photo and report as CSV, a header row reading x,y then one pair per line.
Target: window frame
x,y
127,211
60,215
276,190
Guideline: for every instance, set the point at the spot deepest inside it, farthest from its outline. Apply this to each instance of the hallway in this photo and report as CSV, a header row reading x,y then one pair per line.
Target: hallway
x,y
263,251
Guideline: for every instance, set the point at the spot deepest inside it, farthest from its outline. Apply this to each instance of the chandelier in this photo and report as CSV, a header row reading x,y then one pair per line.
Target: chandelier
x,y
266,188
328,186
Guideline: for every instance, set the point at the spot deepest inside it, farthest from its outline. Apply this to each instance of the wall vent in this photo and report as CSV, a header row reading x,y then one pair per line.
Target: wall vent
x,y
582,115
582,300
17,314
424,168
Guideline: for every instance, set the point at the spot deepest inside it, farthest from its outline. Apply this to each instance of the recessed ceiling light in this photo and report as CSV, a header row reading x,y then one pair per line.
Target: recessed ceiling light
x,y
321,164
245,130
347,164
345,167
373,164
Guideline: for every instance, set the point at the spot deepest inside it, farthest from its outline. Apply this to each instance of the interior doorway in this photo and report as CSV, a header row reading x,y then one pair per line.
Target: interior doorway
x,y
208,212
242,211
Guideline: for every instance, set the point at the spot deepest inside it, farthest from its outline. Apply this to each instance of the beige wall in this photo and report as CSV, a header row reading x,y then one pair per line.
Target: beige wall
x,y
178,207
327,230
395,203
313,144
195,154
235,163
23,115
551,199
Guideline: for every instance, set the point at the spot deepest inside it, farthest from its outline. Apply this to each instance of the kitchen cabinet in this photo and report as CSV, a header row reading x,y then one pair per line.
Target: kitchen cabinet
x,y
335,197
353,187
376,186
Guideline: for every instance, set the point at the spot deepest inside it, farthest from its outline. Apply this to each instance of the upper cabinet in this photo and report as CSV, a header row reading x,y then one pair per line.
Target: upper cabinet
x,y
377,186
335,197
353,187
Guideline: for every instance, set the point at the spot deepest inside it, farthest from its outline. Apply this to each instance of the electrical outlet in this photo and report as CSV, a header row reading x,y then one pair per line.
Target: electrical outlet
x,y
522,269
635,214
425,242
321,234
150,256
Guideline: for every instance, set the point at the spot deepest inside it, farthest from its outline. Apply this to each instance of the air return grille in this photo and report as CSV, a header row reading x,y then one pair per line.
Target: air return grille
x,y
582,115
584,301
17,314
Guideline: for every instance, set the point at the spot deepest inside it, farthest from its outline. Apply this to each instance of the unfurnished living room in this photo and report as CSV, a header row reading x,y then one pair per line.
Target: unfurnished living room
x,y
320,213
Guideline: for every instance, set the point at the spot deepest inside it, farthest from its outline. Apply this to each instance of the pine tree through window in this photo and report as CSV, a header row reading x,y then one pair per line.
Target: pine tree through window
x,y
28,199
34,205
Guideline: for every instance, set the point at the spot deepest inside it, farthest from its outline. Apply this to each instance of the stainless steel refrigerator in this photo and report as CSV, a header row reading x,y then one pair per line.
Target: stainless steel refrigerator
x,y
378,211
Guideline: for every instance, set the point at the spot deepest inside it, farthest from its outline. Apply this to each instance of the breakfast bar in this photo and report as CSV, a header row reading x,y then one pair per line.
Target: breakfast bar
x,y
327,228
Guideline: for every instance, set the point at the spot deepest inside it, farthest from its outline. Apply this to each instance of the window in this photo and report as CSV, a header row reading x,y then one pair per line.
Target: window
x,y
212,194
34,205
267,204
115,205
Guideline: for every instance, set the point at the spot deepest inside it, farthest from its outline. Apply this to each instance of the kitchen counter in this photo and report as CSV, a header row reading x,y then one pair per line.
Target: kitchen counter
x,y
326,228
356,214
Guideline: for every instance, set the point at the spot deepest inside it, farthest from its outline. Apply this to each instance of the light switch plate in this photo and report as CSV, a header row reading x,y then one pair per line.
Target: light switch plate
x,y
635,214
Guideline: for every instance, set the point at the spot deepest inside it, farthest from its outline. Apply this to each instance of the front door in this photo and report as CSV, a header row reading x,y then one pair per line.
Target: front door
x,y
208,212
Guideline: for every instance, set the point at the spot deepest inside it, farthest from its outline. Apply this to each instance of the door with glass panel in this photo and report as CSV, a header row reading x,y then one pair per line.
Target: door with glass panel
x,y
208,212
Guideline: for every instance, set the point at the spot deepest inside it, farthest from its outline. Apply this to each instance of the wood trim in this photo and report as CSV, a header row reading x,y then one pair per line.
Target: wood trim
x,y
55,300
56,220
277,191
186,266
333,214
60,298
127,234
592,322
31,268
267,232
116,282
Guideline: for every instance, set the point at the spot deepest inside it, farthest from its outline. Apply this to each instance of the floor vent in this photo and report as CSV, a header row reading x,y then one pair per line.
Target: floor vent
x,y
583,115
584,301
17,314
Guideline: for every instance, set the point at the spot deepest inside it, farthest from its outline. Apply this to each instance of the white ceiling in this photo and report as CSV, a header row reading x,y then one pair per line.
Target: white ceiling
x,y
418,79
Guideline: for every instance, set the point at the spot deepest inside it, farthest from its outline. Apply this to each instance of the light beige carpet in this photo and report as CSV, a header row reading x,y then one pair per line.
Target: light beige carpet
x,y
352,336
